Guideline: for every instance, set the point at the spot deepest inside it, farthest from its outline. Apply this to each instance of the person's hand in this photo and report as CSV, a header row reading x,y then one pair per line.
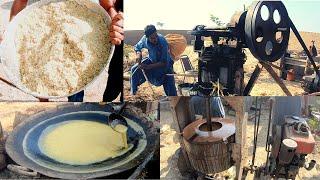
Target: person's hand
x,y
144,66
138,57
116,28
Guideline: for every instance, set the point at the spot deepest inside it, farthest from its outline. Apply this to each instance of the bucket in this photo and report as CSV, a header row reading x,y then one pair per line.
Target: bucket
x,y
291,75
187,89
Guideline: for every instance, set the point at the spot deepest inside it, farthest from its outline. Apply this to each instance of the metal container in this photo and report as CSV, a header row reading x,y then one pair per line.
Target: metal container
x,y
22,144
287,151
8,54
210,151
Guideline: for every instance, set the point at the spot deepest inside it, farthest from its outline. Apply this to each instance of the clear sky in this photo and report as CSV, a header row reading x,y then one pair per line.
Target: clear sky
x,y
185,14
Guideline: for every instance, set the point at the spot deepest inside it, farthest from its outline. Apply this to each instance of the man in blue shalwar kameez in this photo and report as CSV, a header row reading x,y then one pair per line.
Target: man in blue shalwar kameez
x,y
156,66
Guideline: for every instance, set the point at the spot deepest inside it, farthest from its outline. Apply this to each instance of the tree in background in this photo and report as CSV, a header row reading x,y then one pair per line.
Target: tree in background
x,y
160,25
216,20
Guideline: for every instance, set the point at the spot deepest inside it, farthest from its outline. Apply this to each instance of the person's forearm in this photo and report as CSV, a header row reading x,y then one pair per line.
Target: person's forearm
x,y
138,57
108,5
17,6
157,65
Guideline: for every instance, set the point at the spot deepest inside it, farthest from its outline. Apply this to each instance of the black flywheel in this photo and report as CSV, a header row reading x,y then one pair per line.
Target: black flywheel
x,y
267,30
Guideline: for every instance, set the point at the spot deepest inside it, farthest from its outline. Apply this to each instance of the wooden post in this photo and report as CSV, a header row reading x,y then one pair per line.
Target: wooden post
x,y
241,105
182,115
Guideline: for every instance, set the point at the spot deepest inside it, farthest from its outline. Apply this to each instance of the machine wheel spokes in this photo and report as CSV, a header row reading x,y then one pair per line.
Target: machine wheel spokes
x,y
267,30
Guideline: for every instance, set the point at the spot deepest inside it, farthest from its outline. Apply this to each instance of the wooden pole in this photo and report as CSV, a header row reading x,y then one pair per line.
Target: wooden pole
x,y
182,115
241,105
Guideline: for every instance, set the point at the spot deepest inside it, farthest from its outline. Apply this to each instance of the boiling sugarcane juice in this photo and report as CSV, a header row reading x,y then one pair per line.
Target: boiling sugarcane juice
x,y
80,142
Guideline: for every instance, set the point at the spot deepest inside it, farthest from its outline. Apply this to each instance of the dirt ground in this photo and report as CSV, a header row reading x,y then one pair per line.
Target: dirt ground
x,y
264,80
169,148
265,85
12,113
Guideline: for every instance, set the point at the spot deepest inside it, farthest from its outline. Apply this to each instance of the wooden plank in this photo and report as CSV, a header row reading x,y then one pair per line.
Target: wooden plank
x,y
242,106
182,115
293,63
210,158
152,106
243,150
241,121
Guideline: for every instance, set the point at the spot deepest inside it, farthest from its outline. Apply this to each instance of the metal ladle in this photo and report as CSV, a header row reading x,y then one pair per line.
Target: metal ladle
x,y
115,118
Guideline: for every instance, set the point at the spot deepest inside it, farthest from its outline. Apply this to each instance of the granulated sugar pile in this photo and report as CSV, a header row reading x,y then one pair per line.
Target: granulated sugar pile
x,y
61,46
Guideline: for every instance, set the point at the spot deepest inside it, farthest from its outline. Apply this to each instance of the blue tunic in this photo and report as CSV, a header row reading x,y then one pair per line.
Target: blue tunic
x,y
157,53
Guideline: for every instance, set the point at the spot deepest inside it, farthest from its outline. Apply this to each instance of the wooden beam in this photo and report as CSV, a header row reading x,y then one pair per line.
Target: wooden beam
x,y
242,106
182,115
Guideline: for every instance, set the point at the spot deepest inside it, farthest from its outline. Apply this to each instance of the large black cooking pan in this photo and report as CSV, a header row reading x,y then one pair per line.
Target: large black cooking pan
x,y
22,143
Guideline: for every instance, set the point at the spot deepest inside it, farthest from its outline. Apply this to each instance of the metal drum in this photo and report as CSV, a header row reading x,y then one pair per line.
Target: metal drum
x,y
210,151
287,151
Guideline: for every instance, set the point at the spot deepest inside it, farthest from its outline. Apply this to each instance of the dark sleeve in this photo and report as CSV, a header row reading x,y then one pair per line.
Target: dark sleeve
x,y
115,79
119,5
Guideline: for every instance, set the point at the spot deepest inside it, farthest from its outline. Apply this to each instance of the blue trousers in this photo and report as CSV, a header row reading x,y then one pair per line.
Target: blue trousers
x,y
76,97
156,77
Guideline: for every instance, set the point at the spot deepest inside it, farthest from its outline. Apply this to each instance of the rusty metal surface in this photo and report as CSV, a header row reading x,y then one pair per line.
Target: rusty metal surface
x,y
277,78
227,129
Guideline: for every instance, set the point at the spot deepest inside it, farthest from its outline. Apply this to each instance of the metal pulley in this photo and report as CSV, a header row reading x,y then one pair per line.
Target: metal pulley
x,y
267,30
